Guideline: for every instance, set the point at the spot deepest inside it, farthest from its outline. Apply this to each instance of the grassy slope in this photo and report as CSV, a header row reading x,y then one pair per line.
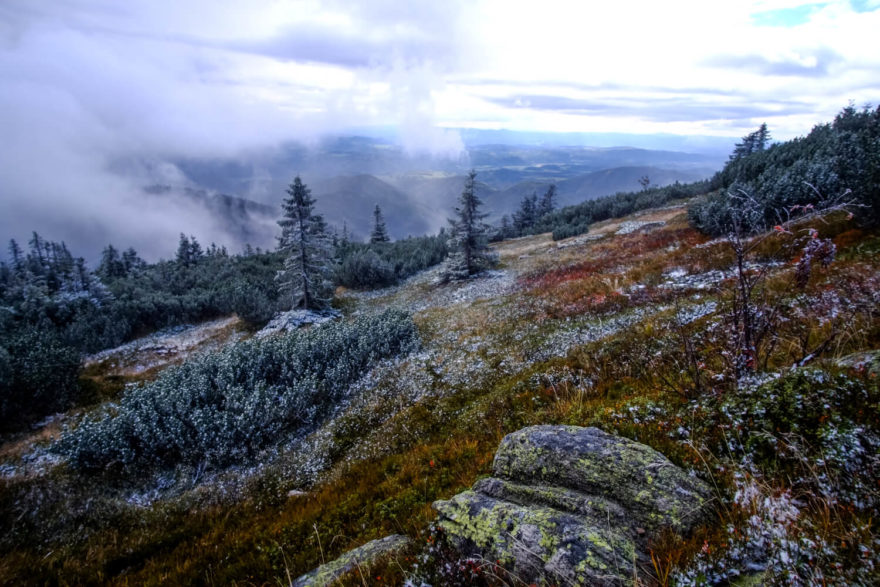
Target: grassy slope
x,y
580,334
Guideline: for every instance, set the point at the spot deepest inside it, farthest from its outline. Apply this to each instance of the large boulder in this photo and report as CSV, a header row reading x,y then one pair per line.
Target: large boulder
x,y
570,505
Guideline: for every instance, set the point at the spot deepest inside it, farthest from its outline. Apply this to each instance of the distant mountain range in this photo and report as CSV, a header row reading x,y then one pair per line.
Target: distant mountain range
x,y
413,203
263,176
348,176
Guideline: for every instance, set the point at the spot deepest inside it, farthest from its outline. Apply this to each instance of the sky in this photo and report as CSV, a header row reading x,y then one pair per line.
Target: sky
x,y
85,84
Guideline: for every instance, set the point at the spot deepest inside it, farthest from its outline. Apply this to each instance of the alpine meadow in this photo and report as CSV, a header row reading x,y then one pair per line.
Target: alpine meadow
x,y
446,294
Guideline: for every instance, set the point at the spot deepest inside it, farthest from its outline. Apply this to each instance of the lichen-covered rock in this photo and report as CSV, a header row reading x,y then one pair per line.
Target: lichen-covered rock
x,y
362,557
572,505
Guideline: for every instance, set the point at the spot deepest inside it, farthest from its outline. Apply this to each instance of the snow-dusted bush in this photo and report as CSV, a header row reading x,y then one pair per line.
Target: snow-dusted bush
x,y
818,429
222,407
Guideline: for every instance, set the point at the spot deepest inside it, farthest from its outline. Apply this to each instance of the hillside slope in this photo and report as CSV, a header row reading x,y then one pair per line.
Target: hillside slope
x,y
627,328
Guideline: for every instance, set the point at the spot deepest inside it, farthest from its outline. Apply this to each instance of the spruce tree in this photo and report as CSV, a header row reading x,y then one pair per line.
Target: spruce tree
x,y
304,279
524,218
183,251
17,257
468,243
751,143
548,201
762,138
380,233
505,231
112,266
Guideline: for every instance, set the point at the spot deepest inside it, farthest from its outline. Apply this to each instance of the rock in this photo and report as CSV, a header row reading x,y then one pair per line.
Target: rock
x,y
577,241
294,319
634,225
572,505
863,362
361,557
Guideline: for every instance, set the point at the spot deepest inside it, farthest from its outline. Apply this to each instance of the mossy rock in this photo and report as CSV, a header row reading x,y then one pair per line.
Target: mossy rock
x,y
362,558
572,505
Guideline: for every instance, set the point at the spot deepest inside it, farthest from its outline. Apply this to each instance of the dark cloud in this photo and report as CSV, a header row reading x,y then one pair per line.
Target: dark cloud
x,y
683,109
824,60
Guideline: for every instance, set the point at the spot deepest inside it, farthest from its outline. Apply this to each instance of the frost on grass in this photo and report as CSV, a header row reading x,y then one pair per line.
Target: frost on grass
x,y
166,346
585,331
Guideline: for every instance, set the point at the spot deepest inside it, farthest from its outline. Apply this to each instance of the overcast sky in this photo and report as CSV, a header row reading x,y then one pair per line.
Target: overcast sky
x,y
86,82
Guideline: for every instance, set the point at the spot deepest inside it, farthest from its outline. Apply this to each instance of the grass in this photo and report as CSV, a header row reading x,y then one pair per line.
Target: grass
x,y
552,351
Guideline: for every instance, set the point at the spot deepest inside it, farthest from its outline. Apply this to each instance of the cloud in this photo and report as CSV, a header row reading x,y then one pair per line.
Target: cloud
x,y
382,37
815,63
648,107
96,96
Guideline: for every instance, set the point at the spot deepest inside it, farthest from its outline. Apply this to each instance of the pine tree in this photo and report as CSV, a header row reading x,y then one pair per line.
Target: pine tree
x,y
183,251
548,201
304,280
506,230
751,143
380,233
17,257
112,266
524,218
468,243
762,137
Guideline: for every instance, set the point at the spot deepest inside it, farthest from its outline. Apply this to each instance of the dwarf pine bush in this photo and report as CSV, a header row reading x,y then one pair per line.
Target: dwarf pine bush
x,y
817,429
221,408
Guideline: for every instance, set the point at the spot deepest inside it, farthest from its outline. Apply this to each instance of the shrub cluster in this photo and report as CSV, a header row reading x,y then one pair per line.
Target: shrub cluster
x,y
380,264
574,220
832,159
222,407
38,376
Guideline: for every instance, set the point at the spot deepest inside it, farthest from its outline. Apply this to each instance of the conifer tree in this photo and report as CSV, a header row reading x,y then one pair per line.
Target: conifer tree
x,y
506,229
468,243
524,218
17,256
112,266
548,201
380,233
304,279
751,143
132,261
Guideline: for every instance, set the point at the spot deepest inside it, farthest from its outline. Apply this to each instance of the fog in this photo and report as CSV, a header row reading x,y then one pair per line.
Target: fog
x,y
95,105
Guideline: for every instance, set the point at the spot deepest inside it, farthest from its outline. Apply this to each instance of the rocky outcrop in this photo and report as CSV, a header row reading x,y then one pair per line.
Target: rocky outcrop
x,y
362,558
296,319
570,505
